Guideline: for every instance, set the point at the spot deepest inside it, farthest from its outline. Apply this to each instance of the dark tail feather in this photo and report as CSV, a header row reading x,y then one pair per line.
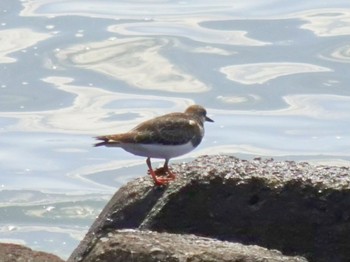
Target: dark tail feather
x,y
104,139
107,141
100,144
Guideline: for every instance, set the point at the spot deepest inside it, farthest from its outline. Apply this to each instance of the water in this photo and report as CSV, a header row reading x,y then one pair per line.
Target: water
x,y
274,75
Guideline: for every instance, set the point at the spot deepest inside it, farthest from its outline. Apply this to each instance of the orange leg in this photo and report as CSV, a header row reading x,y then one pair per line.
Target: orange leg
x,y
171,175
157,180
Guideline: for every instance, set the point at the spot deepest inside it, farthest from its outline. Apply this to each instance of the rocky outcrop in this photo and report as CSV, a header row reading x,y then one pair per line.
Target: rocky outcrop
x,y
147,246
296,208
18,253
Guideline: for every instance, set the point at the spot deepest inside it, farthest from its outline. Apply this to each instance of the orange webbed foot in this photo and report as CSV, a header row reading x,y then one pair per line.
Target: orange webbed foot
x,y
162,175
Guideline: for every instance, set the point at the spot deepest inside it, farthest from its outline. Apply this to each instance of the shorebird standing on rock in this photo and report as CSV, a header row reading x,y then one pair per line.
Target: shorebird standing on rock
x,y
164,137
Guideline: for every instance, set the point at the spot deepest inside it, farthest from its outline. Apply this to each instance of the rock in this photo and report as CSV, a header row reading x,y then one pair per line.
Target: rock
x,y
293,207
18,253
147,246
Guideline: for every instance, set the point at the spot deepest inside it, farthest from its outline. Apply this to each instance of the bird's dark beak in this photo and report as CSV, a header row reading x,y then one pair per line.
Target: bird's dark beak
x,y
208,119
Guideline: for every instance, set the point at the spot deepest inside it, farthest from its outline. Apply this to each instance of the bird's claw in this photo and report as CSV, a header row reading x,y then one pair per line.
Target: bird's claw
x,y
160,181
162,176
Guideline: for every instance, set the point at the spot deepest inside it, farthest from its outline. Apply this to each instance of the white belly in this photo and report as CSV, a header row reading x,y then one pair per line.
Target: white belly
x,y
158,151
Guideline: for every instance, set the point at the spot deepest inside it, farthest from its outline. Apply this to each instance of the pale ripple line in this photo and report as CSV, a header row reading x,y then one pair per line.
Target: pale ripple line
x,y
323,106
340,54
326,22
76,233
188,28
129,10
83,173
136,61
251,98
88,110
259,73
13,40
318,106
261,151
27,198
112,165
77,211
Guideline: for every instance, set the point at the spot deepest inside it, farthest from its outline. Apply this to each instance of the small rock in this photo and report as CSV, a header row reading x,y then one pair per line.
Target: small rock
x,y
131,246
18,253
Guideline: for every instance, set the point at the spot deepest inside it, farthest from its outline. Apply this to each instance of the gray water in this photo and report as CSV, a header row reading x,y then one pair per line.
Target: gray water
x,y
274,75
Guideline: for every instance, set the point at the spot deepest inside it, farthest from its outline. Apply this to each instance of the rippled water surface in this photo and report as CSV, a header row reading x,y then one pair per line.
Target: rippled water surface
x,y
274,75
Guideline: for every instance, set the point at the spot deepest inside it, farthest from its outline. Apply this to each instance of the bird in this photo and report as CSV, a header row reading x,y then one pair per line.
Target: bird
x,y
162,137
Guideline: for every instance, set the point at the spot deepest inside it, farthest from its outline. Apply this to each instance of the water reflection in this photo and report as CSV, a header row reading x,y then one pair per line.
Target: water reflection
x,y
334,107
47,221
134,10
274,77
327,22
53,239
90,108
250,74
134,61
13,40
193,29
340,54
235,99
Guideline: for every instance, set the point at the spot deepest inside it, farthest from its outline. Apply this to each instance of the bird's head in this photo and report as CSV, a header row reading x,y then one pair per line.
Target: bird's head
x,y
199,112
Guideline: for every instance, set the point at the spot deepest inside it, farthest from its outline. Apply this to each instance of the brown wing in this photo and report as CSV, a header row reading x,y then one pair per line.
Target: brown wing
x,y
173,129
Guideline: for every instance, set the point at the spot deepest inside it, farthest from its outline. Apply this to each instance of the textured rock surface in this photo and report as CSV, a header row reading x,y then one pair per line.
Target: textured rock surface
x,y
146,246
293,207
18,253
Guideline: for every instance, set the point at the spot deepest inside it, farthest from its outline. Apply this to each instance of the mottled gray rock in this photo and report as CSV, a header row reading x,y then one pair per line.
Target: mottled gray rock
x,y
293,207
147,246
18,253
